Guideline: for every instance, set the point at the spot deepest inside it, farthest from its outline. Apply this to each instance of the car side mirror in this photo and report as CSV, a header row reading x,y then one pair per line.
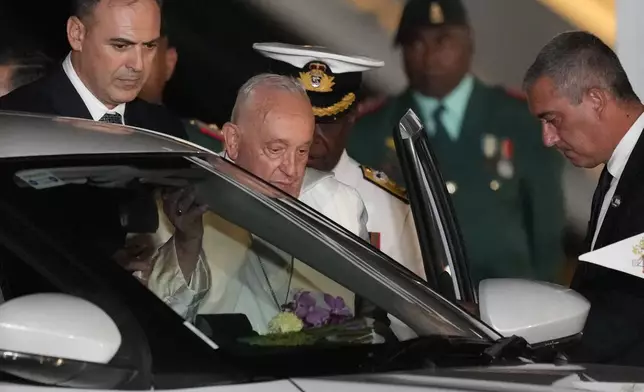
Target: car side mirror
x,y
59,339
540,312
60,326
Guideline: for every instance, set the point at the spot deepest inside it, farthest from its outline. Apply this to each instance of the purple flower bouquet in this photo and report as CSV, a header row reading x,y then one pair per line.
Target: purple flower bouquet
x,y
304,321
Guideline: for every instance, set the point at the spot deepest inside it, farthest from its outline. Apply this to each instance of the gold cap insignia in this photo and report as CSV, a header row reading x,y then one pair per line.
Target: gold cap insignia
x,y
316,79
336,108
379,178
436,13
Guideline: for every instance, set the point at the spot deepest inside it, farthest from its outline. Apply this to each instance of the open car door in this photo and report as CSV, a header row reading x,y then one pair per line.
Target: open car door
x,y
439,234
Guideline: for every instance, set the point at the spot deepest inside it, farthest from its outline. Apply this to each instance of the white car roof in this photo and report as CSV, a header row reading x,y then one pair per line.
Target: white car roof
x,y
32,135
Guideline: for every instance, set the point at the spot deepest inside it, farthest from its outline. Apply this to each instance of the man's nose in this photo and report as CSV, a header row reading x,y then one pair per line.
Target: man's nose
x,y
135,60
549,135
288,164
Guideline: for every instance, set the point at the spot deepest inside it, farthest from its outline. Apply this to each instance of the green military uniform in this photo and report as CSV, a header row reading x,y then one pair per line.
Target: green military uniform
x,y
205,135
505,185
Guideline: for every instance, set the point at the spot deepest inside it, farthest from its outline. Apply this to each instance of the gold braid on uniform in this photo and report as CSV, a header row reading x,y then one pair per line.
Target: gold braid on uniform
x,y
338,107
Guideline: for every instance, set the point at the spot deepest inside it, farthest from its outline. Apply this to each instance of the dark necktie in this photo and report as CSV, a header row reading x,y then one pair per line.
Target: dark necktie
x,y
598,200
440,135
114,118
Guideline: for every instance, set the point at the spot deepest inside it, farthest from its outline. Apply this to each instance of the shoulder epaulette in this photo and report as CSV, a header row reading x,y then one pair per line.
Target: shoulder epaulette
x,y
383,181
518,94
371,105
211,130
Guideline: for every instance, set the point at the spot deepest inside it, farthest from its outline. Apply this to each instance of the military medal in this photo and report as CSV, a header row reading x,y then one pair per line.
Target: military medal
x,y
489,146
374,239
504,166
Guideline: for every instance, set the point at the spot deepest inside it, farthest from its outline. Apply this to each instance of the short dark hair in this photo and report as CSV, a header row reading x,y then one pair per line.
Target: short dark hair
x,y
84,8
577,61
28,65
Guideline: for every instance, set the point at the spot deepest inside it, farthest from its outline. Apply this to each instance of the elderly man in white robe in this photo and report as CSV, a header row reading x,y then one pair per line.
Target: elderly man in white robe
x,y
269,135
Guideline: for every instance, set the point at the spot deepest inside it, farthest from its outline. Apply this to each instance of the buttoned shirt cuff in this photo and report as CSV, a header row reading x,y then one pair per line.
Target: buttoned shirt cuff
x,y
167,281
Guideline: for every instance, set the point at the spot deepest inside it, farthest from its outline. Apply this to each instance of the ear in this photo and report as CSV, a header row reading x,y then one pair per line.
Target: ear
x,y
598,100
232,139
171,57
75,33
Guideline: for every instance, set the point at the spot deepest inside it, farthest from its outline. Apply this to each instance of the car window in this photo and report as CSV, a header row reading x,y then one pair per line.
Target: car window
x,y
272,263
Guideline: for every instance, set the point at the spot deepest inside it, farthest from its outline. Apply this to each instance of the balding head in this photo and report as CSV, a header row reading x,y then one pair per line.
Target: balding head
x,y
271,130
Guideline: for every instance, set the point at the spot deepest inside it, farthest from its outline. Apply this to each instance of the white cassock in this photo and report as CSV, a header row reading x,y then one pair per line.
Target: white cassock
x,y
237,281
390,216
167,280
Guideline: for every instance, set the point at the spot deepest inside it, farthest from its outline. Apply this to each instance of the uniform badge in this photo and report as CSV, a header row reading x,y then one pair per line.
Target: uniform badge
x,y
451,187
436,13
505,167
316,78
382,180
490,146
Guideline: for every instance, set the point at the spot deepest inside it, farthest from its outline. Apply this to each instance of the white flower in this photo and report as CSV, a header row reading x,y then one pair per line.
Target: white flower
x,y
285,322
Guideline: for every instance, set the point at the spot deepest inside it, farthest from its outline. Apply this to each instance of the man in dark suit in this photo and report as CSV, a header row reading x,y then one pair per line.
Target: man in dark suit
x,y
113,43
590,113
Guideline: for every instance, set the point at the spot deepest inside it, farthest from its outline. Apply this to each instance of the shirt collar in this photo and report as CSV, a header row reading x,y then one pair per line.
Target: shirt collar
x,y
455,104
95,107
617,161
342,162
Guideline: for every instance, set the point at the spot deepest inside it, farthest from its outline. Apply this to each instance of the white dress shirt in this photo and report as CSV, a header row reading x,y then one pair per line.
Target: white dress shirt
x,y
96,108
388,216
616,165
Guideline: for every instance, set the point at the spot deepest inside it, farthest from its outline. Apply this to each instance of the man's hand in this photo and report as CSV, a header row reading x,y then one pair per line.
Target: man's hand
x,y
186,216
184,213
136,256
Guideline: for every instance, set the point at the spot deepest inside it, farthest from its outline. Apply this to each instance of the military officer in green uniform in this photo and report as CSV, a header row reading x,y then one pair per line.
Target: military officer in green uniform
x,y
199,132
505,185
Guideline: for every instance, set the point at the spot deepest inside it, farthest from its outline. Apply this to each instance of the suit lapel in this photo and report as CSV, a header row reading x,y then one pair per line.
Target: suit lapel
x,y
64,97
132,114
630,177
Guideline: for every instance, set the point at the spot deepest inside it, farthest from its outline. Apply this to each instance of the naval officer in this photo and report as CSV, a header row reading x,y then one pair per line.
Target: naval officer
x,y
504,184
333,82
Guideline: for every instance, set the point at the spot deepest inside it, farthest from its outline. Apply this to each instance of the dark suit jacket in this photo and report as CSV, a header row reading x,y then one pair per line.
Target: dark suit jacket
x,y
54,94
92,214
614,331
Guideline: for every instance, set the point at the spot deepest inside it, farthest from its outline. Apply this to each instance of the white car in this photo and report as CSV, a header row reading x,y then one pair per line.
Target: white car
x,y
73,318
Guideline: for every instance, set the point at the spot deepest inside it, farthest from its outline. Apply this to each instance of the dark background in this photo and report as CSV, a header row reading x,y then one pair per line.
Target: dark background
x,y
213,37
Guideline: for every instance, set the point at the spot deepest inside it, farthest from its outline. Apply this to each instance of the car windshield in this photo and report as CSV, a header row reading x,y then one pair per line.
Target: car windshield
x,y
268,262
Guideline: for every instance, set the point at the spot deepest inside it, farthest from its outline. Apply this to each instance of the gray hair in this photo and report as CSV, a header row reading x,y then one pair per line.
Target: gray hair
x,y
266,81
578,61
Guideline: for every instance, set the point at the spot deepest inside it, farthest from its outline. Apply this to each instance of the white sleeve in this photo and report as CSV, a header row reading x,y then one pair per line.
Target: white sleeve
x,y
169,284
363,218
